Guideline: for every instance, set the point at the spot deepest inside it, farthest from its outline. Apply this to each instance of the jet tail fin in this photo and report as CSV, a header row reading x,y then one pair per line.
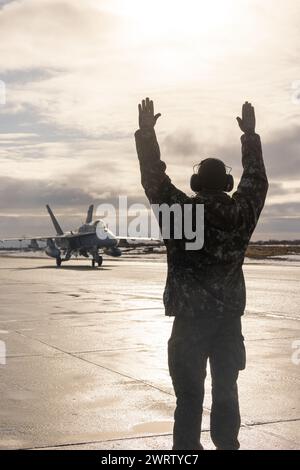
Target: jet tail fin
x,y
89,216
57,227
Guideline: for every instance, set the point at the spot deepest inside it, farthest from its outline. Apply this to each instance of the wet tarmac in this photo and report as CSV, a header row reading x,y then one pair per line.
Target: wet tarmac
x,y
86,359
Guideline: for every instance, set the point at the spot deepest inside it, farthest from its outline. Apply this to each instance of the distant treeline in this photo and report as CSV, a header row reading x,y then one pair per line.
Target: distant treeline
x,y
276,242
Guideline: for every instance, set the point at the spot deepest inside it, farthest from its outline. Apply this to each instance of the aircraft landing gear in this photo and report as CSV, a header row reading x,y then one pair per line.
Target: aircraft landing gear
x,y
98,260
68,255
58,262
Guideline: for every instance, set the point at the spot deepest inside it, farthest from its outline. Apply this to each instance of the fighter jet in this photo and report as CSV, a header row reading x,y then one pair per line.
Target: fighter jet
x,y
88,240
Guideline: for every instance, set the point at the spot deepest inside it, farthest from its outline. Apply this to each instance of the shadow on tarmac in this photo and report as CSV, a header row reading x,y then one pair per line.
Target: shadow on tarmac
x,y
66,268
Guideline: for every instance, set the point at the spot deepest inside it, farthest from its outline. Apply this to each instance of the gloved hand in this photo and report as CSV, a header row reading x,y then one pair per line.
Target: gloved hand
x,y
248,122
147,118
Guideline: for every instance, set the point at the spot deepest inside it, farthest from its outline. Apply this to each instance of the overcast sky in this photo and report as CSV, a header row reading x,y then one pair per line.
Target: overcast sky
x,y
75,70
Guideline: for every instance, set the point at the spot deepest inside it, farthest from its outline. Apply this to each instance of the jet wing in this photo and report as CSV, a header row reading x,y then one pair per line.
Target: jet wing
x,y
45,237
139,239
21,239
70,236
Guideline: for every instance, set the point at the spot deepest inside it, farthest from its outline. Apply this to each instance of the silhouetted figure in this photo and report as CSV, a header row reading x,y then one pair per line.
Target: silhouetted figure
x,y
205,289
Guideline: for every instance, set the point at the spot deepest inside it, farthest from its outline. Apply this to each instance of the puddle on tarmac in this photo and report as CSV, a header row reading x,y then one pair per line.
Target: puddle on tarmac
x,y
6,444
157,427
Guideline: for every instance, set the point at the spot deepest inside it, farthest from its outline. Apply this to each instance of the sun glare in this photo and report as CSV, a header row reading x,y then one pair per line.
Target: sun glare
x,y
165,17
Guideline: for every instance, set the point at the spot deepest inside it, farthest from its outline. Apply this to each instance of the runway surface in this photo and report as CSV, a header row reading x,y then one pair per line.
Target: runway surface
x,y
86,364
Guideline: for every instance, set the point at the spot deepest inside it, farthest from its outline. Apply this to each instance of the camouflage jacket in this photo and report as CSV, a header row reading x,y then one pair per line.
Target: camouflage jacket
x,y
208,282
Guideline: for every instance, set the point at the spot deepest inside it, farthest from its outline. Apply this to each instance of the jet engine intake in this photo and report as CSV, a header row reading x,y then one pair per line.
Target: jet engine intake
x,y
52,250
113,251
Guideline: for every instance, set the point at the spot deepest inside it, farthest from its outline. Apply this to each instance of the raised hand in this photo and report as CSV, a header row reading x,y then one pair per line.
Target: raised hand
x,y
247,123
147,118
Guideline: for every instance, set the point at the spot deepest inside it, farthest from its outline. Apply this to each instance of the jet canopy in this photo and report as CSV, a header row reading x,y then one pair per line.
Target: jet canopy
x,y
93,226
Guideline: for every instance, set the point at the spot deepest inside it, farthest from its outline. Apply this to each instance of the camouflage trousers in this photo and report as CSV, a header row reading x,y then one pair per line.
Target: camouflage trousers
x,y
193,342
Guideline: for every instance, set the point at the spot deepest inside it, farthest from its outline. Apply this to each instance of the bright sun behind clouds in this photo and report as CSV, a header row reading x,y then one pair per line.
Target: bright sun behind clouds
x,y
164,17
179,40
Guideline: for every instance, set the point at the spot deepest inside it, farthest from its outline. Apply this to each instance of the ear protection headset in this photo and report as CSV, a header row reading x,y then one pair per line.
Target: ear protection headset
x,y
212,174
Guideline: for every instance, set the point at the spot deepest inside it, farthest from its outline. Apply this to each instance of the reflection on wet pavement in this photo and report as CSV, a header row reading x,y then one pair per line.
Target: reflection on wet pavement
x,y
87,356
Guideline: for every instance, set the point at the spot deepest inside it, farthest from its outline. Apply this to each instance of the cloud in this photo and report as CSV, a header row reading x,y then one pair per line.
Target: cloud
x,y
4,2
182,143
283,154
52,33
75,71
22,203
277,228
285,210
279,189
17,194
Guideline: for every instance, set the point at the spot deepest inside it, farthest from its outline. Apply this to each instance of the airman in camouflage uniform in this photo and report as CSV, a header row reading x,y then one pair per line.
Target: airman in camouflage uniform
x,y
205,289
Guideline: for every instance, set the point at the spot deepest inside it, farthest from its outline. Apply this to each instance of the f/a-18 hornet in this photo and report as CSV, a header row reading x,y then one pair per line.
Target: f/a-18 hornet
x,y
88,240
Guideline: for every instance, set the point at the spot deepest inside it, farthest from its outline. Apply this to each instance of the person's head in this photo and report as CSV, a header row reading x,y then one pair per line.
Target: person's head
x,y
211,175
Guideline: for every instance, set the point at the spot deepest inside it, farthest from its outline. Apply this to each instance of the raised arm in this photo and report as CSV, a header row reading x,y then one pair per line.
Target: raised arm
x,y
252,191
156,183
